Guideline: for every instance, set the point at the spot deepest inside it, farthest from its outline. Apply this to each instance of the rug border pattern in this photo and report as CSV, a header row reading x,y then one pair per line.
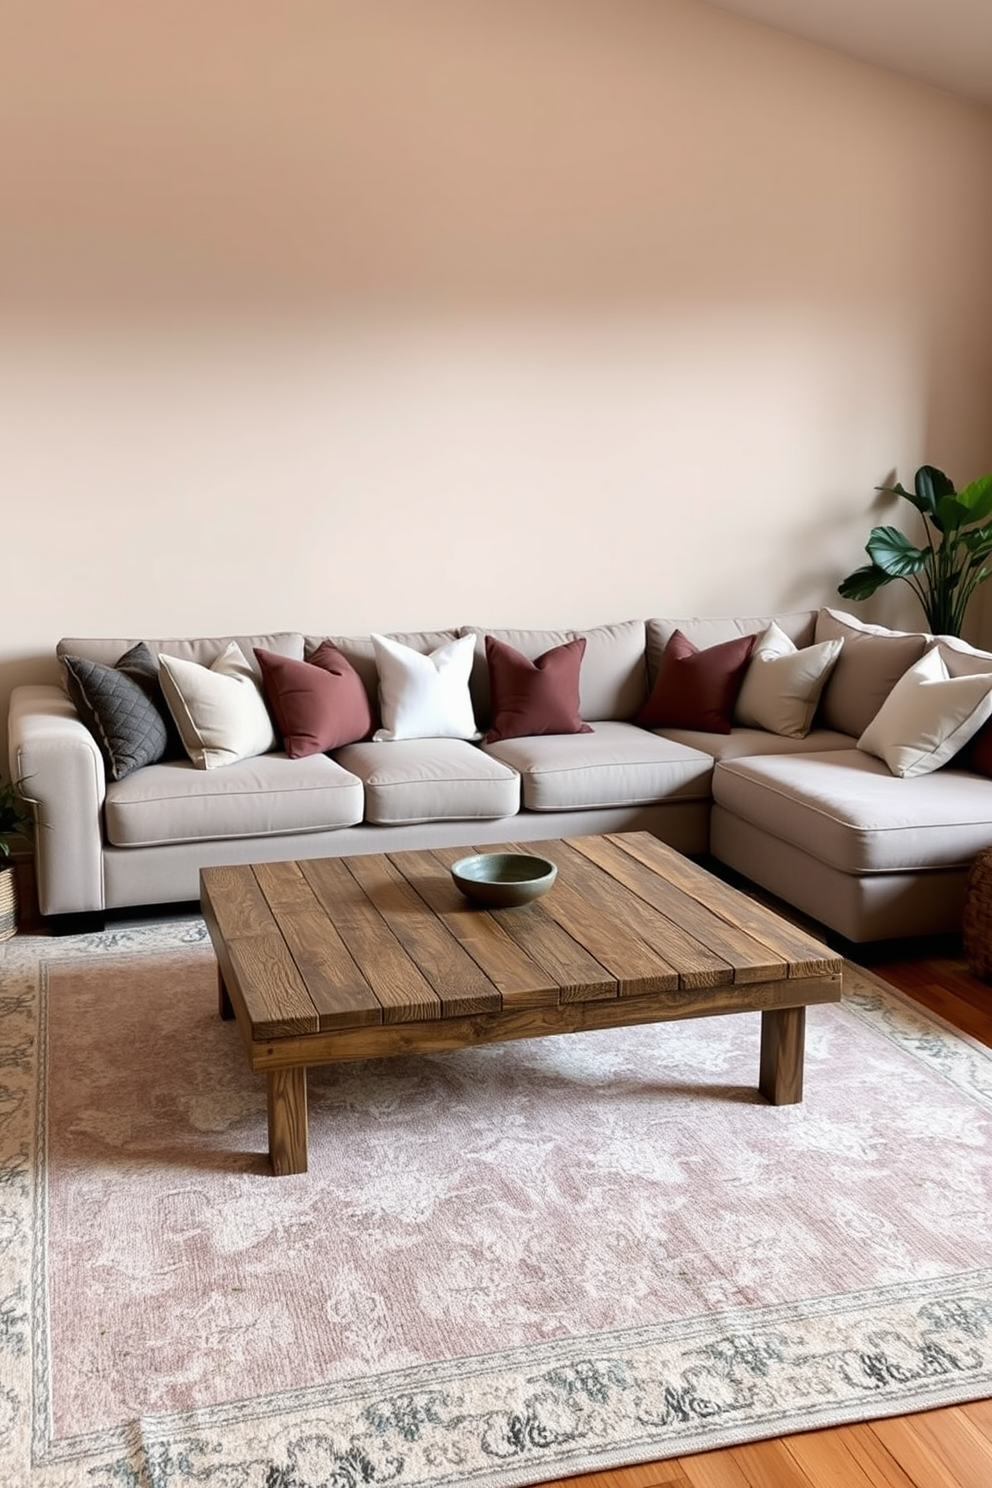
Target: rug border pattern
x,y
491,1421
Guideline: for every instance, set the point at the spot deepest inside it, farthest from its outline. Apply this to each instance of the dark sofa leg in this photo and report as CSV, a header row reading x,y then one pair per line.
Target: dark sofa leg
x,y
91,922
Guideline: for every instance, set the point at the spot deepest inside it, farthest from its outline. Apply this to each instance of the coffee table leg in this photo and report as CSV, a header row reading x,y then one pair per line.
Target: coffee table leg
x,y
783,1042
287,1096
223,1000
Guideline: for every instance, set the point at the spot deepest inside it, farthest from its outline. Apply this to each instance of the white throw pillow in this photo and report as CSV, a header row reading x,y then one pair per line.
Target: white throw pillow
x,y
927,717
782,684
219,710
425,697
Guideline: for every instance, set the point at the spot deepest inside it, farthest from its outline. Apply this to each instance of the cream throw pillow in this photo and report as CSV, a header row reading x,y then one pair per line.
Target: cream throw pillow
x,y
927,717
219,710
425,697
782,684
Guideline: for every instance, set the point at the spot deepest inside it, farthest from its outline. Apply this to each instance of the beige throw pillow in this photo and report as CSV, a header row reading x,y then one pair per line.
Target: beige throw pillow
x,y
927,717
219,709
782,684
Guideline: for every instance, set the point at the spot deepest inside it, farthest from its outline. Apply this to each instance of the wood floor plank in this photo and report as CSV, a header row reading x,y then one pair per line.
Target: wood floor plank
x,y
717,1469
644,1475
770,1464
827,1459
881,1468
939,1445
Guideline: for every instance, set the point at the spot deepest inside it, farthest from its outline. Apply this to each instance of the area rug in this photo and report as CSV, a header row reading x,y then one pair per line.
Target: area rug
x,y
505,1264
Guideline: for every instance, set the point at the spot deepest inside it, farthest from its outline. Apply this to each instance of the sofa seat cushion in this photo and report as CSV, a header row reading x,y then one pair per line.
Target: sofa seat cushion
x,y
847,809
424,780
259,797
741,742
616,764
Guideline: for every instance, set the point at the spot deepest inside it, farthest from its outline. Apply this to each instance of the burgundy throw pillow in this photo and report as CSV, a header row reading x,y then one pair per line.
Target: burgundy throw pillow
x,y
534,697
977,753
697,689
318,704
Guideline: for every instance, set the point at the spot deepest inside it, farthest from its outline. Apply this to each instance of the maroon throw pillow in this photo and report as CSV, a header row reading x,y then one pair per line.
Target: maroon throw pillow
x,y
318,704
977,753
534,697
697,689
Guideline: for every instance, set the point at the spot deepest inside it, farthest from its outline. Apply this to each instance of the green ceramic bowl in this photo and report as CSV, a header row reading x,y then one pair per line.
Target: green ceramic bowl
x,y
504,880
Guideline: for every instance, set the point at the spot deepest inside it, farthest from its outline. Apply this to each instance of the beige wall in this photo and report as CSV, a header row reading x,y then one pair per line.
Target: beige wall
x,y
341,315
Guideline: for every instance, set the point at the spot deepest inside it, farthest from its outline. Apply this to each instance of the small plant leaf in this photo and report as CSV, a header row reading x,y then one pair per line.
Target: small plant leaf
x,y
932,485
863,582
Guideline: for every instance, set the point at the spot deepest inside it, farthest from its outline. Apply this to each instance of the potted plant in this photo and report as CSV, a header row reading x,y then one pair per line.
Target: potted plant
x,y
947,570
15,821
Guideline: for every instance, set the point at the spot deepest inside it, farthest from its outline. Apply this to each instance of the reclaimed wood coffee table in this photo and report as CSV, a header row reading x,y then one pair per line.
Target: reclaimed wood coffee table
x,y
360,957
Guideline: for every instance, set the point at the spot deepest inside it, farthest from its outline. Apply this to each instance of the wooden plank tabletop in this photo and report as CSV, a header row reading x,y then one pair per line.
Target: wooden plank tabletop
x,y
329,944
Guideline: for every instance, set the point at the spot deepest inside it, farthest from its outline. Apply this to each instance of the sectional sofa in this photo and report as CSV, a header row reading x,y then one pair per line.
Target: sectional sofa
x,y
871,841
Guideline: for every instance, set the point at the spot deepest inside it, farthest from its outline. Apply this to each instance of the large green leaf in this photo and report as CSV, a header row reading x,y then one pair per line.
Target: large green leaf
x,y
973,504
892,552
932,486
863,582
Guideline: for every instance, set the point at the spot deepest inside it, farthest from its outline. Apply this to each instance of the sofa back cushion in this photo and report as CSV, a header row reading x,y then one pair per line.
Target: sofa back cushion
x,y
706,631
612,678
204,650
871,662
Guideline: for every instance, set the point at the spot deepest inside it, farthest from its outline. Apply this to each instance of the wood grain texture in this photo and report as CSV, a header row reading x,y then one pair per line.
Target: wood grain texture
x,y
520,981
696,940
287,1112
400,987
783,1043
805,954
368,956
458,981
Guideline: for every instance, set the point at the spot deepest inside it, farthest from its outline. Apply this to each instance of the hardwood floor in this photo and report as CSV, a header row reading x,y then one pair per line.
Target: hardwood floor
x,y
949,1448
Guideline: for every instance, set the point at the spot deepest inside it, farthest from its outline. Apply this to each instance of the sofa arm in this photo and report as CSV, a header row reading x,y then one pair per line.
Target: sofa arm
x,y
57,759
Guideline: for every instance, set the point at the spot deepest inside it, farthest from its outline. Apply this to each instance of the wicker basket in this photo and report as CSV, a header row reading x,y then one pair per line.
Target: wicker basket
x,y
977,923
8,902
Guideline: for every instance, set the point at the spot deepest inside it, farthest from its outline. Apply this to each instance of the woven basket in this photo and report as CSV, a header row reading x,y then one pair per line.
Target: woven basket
x,y
8,902
977,923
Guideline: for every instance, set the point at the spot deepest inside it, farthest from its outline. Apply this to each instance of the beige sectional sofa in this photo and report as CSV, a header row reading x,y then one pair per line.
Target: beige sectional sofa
x,y
815,819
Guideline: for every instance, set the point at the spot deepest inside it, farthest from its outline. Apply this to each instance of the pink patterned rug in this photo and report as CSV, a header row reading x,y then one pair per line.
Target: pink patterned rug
x,y
504,1265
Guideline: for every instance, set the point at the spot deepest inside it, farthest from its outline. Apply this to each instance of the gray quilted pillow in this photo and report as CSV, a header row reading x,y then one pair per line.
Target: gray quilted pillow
x,y
122,707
